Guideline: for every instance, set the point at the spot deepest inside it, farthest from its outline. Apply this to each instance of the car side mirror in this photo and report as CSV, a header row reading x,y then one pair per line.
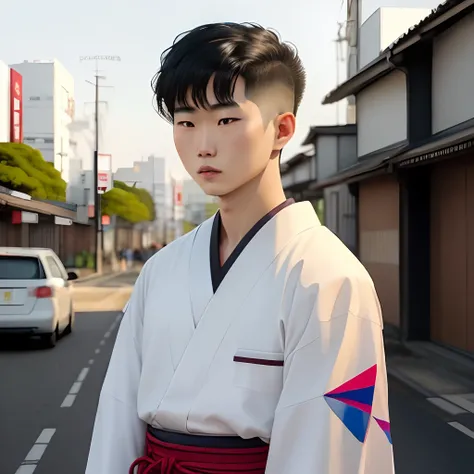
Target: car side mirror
x,y
72,276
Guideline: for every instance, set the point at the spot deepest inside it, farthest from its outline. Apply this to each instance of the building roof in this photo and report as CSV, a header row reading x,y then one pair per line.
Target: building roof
x,y
25,203
314,132
293,161
441,18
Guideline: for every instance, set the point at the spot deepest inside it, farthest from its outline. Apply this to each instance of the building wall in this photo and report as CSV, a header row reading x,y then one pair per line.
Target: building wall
x,y
195,202
4,103
452,253
326,156
150,175
383,27
453,75
38,106
340,214
379,241
47,86
382,114
63,95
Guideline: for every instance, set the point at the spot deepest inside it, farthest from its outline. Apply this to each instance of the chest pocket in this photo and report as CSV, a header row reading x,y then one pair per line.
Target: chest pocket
x,y
258,371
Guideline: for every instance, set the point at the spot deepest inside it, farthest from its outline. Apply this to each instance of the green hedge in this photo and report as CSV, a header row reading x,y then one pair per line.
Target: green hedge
x,y
24,169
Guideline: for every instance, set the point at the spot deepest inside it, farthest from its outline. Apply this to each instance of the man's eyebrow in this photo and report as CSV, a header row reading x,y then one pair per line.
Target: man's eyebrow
x,y
187,109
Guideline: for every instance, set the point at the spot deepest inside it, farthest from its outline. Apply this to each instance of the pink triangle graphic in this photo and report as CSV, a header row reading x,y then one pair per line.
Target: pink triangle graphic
x,y
361,406
384,425
363,380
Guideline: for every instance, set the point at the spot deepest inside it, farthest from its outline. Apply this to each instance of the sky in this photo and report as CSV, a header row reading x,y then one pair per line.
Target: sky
x,y
139,31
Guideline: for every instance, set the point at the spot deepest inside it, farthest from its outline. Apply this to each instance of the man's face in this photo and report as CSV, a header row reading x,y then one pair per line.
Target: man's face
x,y
237,142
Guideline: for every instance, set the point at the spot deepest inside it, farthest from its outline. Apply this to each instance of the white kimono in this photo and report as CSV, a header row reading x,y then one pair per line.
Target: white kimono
x,y
288,349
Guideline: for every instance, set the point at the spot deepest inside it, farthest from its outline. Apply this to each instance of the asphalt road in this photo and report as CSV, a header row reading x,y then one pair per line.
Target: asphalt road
x,y
48,400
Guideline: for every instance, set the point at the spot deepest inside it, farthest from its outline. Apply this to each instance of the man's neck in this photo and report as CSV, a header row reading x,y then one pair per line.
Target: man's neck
x,y
243,208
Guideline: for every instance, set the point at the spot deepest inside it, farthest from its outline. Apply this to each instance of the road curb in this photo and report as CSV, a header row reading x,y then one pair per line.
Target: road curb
x,y
402,378
93,276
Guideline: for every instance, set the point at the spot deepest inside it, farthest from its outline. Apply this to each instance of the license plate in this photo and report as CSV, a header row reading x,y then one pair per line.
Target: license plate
x,y
7,296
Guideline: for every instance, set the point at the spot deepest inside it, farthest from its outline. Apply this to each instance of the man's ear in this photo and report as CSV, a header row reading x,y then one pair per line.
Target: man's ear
x,y
285,125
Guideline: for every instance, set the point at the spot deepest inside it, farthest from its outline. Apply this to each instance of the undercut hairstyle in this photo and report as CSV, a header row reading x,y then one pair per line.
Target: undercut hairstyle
x,y
224,51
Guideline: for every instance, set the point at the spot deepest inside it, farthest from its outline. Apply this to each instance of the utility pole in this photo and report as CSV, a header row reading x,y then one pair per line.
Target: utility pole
x,y
97,197
341,38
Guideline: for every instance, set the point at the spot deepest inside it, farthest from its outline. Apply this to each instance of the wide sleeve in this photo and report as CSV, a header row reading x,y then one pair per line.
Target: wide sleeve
x,y
332,417
118,437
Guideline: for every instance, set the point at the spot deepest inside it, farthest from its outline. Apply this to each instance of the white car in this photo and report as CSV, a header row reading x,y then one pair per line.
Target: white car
x,y
35,294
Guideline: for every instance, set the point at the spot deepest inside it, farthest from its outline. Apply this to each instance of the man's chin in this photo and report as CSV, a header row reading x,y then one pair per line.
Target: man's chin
x,y
215,189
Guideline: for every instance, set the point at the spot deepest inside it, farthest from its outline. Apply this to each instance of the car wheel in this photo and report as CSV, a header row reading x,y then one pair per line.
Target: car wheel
x,y
69,327
49,340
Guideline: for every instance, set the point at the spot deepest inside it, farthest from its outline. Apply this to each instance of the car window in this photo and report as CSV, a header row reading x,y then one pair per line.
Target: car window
x,y
13,267
54,268
61,267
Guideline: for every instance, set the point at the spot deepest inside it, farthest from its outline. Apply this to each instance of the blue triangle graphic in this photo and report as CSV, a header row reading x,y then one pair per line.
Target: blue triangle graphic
x,y
361,395
355,420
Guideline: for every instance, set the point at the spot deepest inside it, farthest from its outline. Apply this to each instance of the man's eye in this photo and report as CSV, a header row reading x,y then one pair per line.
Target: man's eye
x,y
185,124
227,121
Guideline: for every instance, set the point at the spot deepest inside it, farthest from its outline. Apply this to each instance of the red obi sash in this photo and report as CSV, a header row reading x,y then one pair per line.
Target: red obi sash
x,y
167,458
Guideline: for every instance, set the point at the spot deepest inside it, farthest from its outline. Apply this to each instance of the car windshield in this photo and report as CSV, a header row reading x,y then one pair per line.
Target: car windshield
x,y
19,268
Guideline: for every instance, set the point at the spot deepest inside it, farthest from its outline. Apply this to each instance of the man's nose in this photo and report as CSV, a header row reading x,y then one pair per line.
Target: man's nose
x,y
207,147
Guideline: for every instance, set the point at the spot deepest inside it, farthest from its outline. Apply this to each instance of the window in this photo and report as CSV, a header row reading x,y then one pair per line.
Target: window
x,y
20,268
332,215
54,268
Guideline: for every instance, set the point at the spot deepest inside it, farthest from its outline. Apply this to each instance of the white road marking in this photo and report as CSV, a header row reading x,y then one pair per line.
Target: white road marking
x,y
74,390
26,469
107,334
460,401
97,351
102,342
91,361
83,374
462,428
35,454
68,401
46,435
446,406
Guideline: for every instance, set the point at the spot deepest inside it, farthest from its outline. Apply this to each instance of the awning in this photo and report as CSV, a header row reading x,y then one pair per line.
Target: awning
x,y
366,168
32,205
446,146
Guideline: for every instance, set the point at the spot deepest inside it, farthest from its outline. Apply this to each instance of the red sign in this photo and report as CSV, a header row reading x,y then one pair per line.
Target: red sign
x,y
178,194
102,181
16,107
16,217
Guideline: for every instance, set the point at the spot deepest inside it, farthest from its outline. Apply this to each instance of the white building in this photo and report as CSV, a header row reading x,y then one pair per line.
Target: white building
x,y
151,175
195,202
10,105
48,109
4,103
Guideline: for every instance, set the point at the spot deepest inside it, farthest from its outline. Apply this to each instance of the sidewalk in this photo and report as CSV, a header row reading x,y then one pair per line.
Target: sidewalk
x,y
444,377
107,273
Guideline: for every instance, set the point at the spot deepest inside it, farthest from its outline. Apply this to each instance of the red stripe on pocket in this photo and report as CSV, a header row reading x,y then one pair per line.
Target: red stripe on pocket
x,y
252,360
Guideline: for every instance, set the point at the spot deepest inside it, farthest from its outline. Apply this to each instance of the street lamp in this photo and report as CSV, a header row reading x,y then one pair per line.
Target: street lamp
x,y
97,207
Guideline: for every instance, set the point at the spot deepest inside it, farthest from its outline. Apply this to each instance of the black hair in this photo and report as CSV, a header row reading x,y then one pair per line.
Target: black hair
x,y
225,51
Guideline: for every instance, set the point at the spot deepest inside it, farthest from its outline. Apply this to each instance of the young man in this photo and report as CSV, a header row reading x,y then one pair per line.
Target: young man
x,y
254,343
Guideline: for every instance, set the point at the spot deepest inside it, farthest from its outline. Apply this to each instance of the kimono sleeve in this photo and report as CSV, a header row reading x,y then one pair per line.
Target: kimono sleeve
x,y
118,436
332,416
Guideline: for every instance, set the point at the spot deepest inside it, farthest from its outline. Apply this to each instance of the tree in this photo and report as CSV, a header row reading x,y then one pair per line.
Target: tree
x,y
130,203
142,194
24,169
